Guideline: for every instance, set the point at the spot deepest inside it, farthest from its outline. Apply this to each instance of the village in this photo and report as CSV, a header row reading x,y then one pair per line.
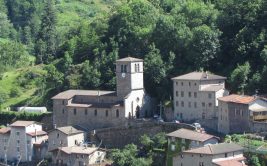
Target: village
x,y
203,124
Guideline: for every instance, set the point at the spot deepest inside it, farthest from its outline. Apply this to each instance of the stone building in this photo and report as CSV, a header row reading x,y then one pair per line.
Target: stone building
x,y
98,109
23,141
78,156
237,113
212,155
184,139
67,136
195,95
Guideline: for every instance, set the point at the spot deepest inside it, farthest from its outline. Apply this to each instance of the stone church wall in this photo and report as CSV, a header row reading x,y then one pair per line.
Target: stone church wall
x,y
118,137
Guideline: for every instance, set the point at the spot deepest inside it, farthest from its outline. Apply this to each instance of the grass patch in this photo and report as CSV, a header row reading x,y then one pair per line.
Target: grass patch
x,y
20,86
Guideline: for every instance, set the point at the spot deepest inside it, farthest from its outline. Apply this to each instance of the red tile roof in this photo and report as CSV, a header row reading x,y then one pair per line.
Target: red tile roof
x,y
4,130
191,135
231,162
38,133
241,99
20,123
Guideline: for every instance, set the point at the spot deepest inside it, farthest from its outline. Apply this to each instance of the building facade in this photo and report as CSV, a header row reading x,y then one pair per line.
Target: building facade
x,y
98,109
78,156
184,139
195,95
23,141
67,136
212,155
237,113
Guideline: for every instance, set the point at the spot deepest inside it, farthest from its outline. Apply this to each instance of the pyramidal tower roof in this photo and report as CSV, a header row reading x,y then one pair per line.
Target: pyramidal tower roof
x,y
130,59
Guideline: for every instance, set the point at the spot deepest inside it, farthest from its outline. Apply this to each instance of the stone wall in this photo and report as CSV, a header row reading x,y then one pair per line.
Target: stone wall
x,y
168,114
257,127
118,137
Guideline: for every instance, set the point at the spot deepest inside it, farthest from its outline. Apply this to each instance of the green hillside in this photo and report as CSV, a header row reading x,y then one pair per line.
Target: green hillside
x,y
20,87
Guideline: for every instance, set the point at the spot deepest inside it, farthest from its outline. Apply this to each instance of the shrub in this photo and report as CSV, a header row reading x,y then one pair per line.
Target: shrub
x,y
15,92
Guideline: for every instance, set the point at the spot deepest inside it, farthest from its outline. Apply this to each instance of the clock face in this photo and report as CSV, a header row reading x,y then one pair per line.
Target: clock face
x,y
123,75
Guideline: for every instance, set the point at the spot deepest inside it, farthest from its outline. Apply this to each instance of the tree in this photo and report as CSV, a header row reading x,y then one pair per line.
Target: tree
x,y
6,28
147,143
128,157
54,78
239,78
154,69
3,98
47,33
91,75
254,161
160,140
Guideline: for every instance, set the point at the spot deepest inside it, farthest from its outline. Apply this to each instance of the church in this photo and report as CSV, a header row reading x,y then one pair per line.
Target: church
x,y
94,109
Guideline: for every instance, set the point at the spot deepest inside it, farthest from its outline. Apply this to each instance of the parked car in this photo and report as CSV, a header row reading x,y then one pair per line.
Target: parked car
x,y
196,125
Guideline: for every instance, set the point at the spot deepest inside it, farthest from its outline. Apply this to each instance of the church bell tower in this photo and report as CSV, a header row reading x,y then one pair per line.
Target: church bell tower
x,y
129,74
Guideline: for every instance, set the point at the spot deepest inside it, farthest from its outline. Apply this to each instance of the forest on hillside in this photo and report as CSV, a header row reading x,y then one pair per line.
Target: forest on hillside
x,y
75,43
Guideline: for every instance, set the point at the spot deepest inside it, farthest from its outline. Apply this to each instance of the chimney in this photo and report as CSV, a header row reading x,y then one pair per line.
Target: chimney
x,y
207,75
55,126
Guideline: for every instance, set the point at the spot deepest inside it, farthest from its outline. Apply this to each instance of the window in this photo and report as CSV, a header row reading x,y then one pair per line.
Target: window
x,y
135,67
138,68
18,141
76,142
225,155
176,83
95,112
203,104
121,68
189,104
182,103
28,142
189,94
74,111
195,104
195,84
117,113
182,83
57,135
177,94
17,133
4,147
125,68
183,140
177,103
189,83
195,94
182,94
17,149
106,112
86,112
62,102
210,95
210,104
63,111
